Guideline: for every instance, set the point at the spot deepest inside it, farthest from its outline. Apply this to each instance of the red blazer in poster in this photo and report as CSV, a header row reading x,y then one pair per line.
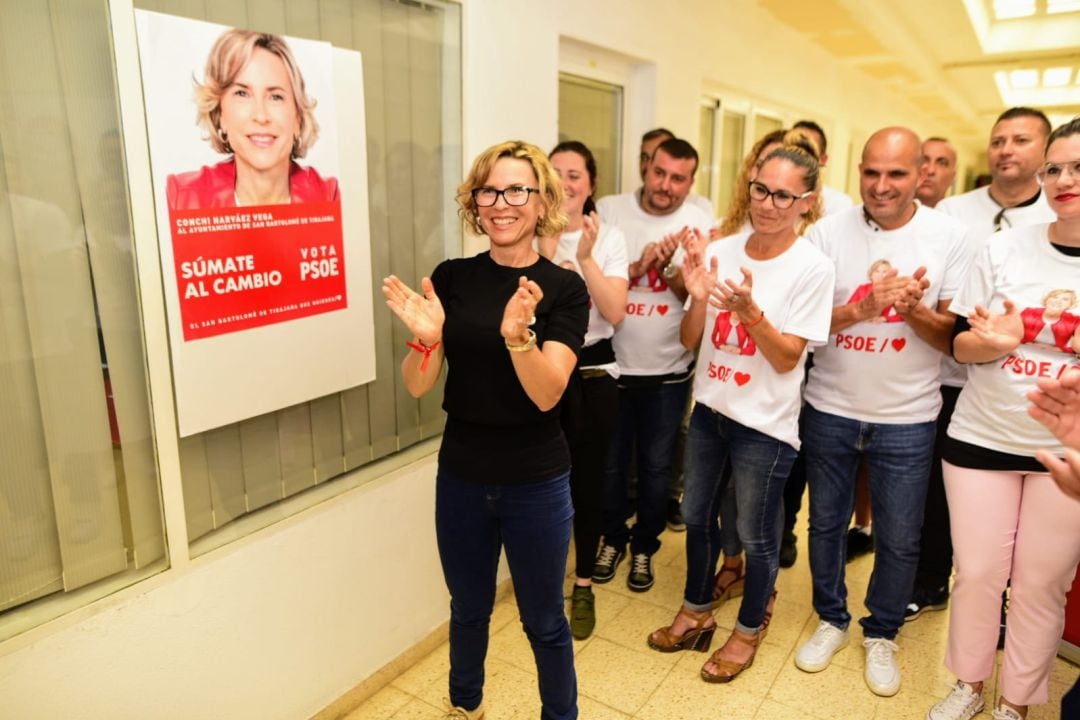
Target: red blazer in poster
x,y
215,187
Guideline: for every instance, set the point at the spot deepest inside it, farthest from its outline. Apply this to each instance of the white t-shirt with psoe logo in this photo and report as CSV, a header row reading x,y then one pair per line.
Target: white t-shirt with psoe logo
x,y
795,291
977,210
609,252
879,370
647,340
1022,266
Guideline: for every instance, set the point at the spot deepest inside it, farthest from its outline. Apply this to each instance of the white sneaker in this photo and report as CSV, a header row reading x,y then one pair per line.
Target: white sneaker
x,y
963,703
1005,713
817,652
882,674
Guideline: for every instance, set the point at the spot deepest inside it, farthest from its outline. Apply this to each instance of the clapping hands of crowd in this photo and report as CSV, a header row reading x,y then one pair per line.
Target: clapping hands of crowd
x,y
590,230
658,254
912,293
1056,404
423,314
520,312
902,292
1001,331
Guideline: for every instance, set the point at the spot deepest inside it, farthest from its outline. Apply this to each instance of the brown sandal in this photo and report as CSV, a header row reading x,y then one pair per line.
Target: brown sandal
x,y
728,670
699,637
730,583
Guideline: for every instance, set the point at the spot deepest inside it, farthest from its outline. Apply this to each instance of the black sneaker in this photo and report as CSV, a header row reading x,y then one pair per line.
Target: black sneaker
x,y
675,521
858,543
641,577
788,551
922,601
607,560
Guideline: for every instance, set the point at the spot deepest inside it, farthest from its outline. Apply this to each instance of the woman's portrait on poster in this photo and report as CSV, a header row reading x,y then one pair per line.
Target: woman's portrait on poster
x,y
252,105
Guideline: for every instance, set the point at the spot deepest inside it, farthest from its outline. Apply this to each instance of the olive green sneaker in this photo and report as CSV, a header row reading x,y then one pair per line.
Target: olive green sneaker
x,y
582,612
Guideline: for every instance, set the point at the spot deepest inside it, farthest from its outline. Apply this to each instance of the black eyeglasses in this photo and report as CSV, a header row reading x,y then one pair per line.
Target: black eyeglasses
x,y
514,195
781,199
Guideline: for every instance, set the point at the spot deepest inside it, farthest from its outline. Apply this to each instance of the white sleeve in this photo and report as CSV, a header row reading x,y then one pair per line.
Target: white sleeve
x,y
978,286
958,265
614,253
813,306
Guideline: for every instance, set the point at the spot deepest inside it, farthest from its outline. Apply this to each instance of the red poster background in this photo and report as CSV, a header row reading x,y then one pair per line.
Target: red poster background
x,y
240,268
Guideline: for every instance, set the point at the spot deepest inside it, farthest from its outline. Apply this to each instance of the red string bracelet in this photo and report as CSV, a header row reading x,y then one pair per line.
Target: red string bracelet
x,y
419,346
756,321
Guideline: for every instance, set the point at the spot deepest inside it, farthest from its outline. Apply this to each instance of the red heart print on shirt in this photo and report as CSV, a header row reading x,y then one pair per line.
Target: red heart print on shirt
x,y
899,343
662,309
742,378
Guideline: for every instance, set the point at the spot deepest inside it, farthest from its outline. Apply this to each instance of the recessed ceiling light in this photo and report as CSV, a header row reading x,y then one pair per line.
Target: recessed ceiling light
x,y
1062,6
1057,77
1021,79
1007,9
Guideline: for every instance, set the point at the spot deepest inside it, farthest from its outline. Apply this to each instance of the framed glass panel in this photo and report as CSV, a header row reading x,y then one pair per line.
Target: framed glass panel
x,y
591,112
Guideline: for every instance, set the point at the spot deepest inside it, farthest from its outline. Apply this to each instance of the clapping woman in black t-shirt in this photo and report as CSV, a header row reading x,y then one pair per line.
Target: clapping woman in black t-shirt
x,y
509,325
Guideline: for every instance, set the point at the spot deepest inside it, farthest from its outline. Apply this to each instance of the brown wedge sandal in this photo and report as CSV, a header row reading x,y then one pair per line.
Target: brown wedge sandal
x,y
697,638
728,670
730,583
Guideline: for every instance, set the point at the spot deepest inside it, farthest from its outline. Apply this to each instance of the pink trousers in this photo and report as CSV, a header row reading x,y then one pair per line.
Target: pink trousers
x,y
1018,525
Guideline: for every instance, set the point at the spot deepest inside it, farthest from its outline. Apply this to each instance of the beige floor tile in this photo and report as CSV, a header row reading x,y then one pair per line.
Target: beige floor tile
x,y
672,550
382,705
434,668
685,696
772,710
512,646
836,693
417,709
631,627
790,618
509,691
506,611
589,709
619,677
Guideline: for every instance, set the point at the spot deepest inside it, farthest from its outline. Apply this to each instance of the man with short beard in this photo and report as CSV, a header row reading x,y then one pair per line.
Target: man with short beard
x,y
873,394
654,367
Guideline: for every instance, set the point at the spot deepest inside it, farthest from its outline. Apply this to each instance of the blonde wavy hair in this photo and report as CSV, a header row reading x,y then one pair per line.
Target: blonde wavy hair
x,y
552,220
231,52
738,211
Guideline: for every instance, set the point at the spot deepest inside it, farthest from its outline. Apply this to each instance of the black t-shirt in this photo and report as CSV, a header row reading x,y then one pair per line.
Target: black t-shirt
x,y
494,433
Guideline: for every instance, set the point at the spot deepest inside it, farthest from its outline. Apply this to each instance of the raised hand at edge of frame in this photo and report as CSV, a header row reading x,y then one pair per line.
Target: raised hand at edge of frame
x,y
423,314
1056,404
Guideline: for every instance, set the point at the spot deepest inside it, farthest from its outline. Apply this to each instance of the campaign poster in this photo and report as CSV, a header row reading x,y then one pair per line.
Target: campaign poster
x,y
262,215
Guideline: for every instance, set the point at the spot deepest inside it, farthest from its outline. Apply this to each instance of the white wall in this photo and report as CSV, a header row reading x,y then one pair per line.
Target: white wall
x,y
280,624
277,626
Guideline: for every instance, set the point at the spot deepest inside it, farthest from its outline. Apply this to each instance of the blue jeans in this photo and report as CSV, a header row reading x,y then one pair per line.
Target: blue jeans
x,y
899,459
472,522
759,469
649,414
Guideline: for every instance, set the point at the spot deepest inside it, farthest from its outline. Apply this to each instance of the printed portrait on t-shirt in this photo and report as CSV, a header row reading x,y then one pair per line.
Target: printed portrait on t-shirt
x,y
721,335
877,272
652,281
1052,325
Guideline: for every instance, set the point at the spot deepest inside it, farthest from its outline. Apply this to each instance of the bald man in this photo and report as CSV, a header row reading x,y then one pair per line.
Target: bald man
x,y
872,394
940,158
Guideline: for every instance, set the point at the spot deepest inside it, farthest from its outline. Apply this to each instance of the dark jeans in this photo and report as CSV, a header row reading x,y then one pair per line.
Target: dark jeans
x,y
649,414
759,467
899,459
532,521
935,546
589,408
